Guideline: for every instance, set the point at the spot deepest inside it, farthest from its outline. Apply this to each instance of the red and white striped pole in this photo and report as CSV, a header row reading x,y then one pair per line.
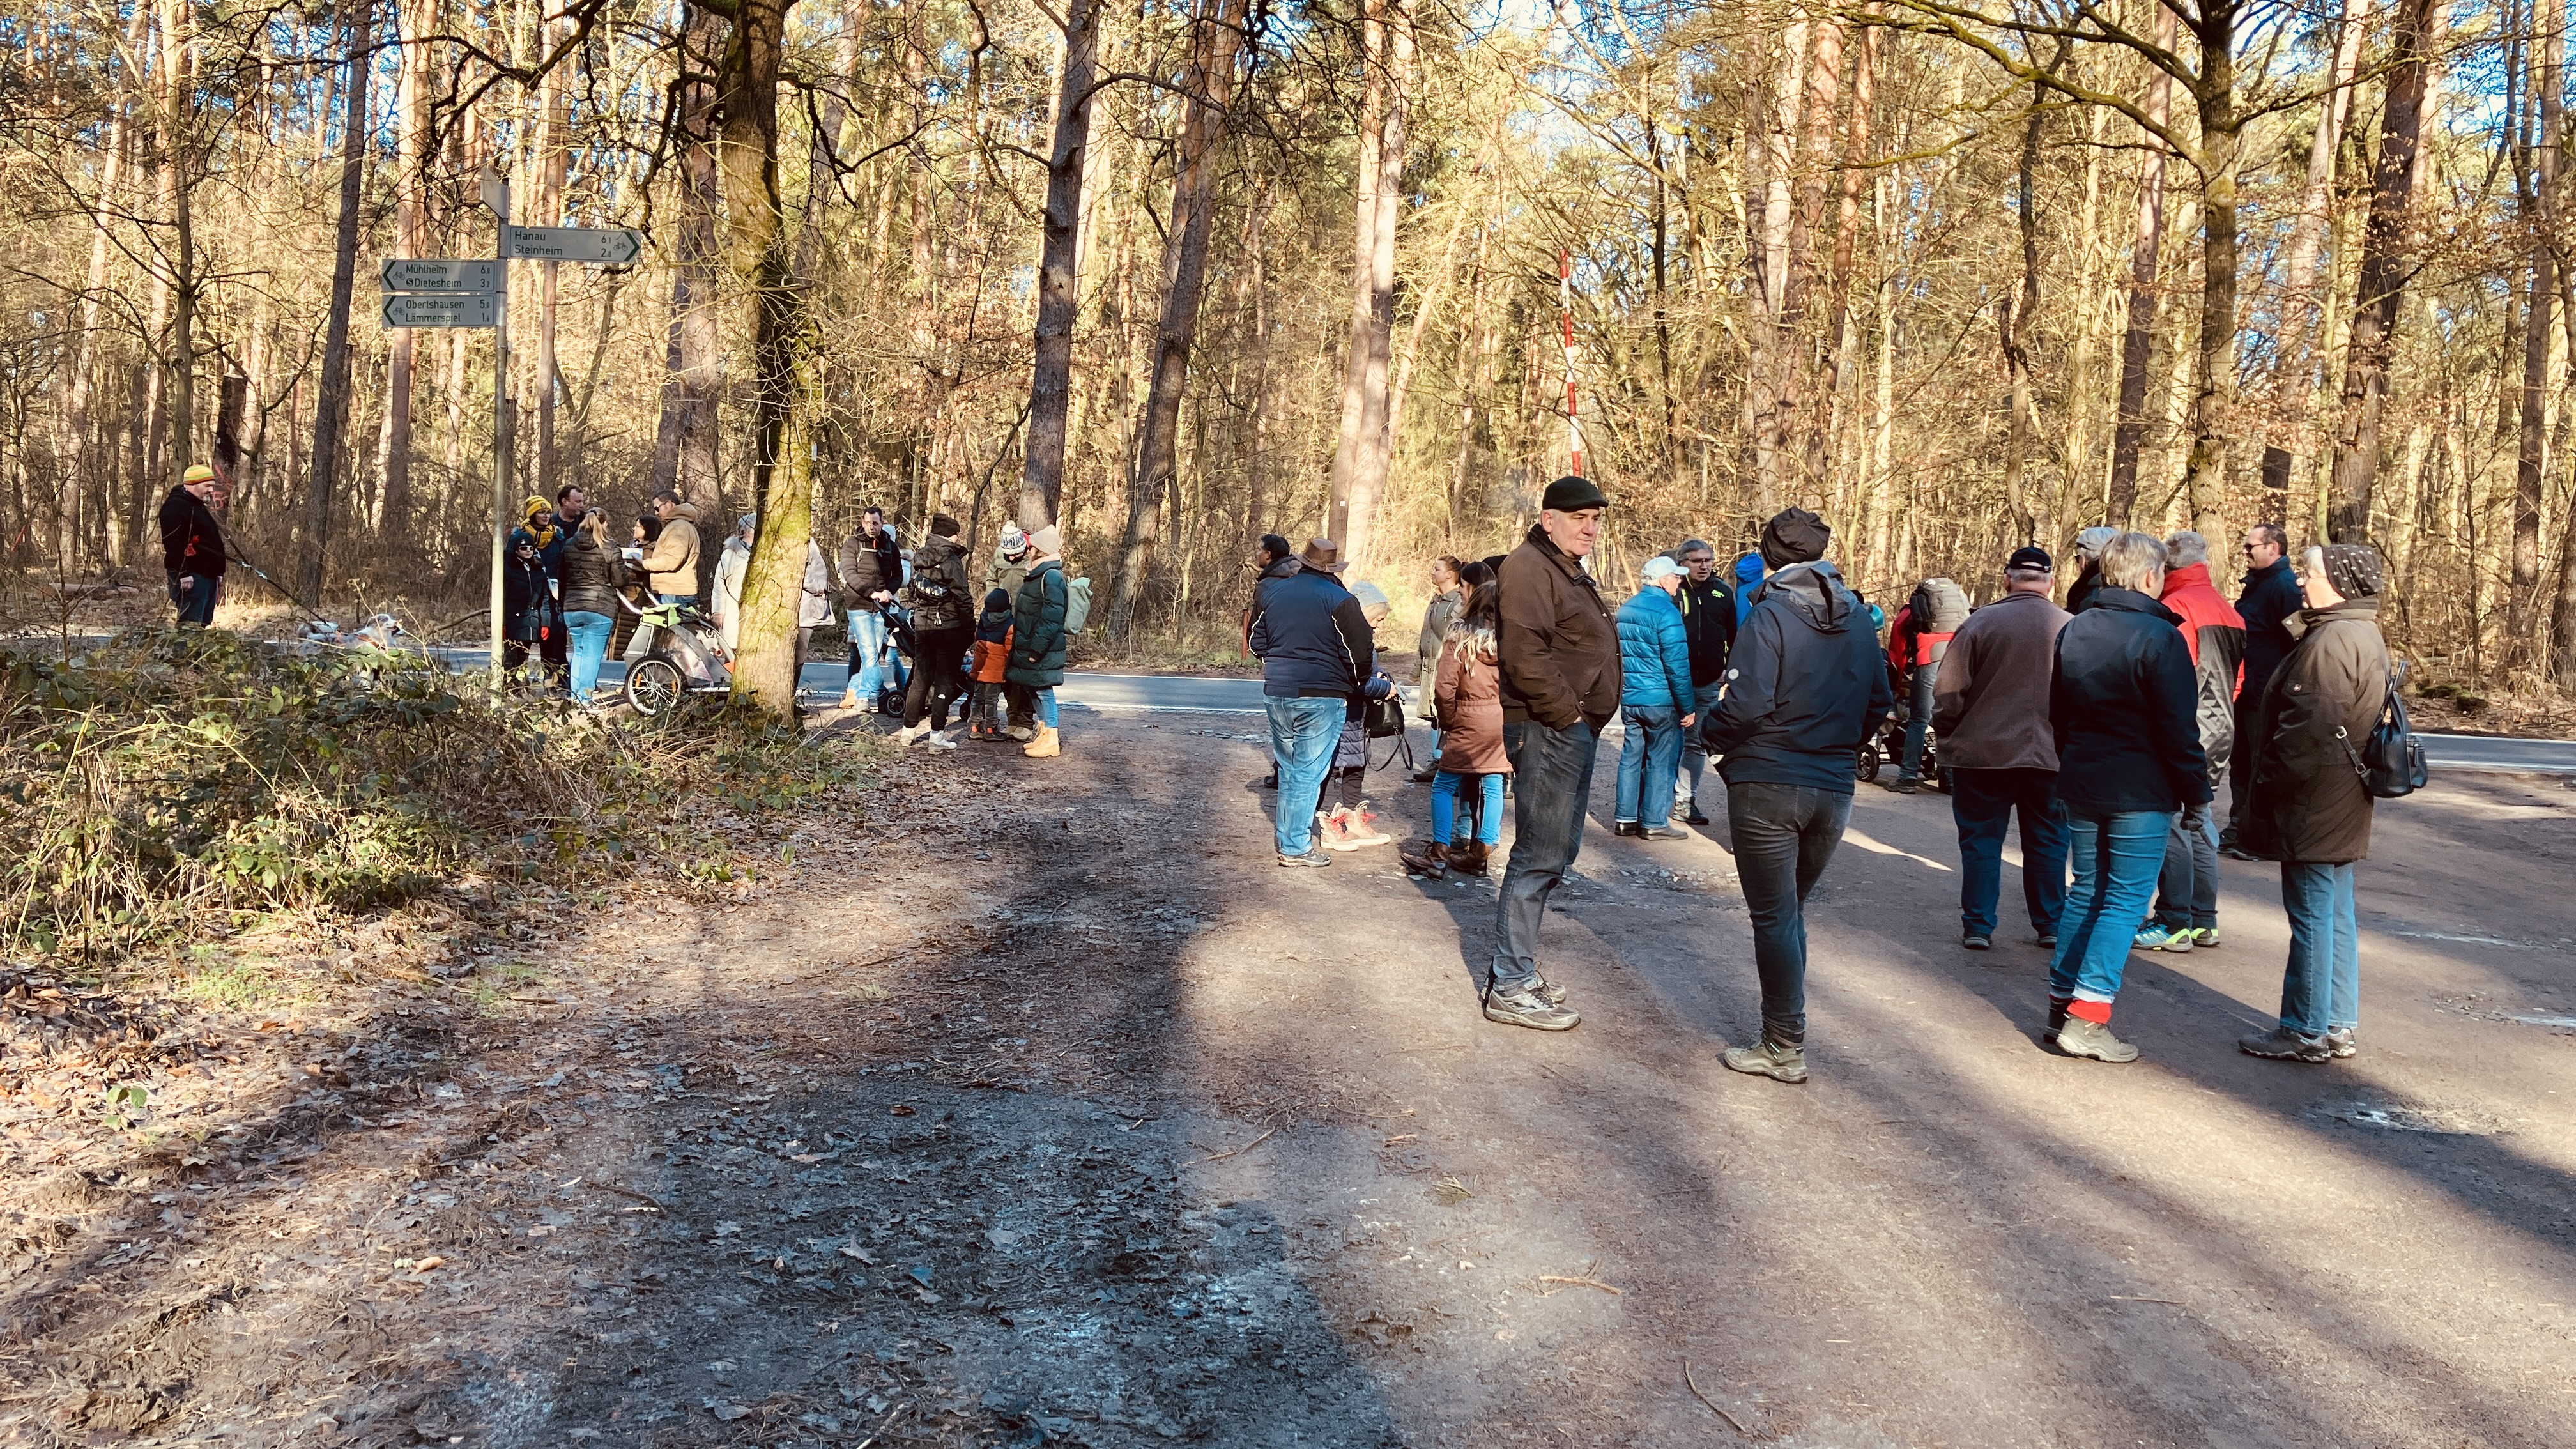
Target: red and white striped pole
x,y
1565,309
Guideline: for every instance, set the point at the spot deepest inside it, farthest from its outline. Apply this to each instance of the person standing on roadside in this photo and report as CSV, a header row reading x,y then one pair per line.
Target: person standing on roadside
x,y
590,570
733,565
1010,566
2308,809
944,621
1467,691
671,564
871,570
1317,651
1916,644
1804,687
2269,603
1655,699
2128,760
1446,597
1708,619
1557,651
2187,889
192,546
1991,712
2088,561
1038,637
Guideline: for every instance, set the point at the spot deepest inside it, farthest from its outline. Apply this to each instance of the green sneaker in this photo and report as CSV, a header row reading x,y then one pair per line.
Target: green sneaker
x,y
2157,938
1768,1058
2205,938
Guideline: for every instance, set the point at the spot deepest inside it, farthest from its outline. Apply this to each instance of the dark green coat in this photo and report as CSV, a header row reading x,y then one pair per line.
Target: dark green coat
x,y
1037,629
2308,803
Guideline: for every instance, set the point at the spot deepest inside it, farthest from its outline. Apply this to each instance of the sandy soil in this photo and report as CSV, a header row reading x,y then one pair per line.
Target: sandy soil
x,y
1043,1108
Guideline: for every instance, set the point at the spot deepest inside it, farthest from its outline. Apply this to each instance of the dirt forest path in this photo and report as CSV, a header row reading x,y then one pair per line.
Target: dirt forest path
x,y
1047,1110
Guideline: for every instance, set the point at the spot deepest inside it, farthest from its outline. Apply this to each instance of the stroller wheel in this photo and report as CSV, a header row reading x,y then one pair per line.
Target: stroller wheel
x,y
1865,769
654,687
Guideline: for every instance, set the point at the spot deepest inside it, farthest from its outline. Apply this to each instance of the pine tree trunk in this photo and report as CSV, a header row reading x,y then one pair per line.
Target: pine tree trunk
x,y
2137,344
1209,80
2383,275
2295,374
2540,208
1059,285
684,447
411,239
331,410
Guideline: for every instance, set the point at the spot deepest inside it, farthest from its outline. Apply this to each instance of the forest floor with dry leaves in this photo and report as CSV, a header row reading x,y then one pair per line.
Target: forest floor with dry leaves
x,y
1039,1107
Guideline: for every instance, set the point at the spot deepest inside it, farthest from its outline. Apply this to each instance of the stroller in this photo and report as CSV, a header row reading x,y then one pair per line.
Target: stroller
x,y
903,655
687,657
1889,744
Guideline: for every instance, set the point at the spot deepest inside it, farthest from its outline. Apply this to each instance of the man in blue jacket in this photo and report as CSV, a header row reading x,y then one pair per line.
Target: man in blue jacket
x,y
1316,651
1804,687
2270,601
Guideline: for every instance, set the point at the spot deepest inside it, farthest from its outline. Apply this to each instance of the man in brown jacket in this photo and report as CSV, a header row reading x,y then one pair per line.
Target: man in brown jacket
x,y
1559,657
1990,709
671,564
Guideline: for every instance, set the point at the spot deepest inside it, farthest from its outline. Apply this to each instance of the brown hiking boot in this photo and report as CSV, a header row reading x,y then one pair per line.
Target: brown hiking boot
x,y
1427,857
1469,859
1048,744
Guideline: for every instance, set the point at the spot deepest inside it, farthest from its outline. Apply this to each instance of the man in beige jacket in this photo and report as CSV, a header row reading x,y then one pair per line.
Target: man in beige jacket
x,y
671,564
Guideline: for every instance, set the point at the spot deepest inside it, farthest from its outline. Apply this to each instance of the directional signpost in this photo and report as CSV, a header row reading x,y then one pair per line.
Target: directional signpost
x,y
459,292
613,247
434,274
452,309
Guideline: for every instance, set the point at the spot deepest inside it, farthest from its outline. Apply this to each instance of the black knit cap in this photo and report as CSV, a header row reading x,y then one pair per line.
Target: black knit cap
x,y
1794,536
2355,570
1569,493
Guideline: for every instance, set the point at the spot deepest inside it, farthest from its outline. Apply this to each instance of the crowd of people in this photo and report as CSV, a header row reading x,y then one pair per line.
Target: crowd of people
x,y
2104,729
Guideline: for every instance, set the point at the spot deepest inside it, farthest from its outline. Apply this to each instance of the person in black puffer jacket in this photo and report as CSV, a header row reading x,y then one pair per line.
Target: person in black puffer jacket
x,y
944,622
2125,709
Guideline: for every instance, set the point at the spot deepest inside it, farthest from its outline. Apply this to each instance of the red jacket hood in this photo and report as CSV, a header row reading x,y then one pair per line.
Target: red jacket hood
x,y
2189,593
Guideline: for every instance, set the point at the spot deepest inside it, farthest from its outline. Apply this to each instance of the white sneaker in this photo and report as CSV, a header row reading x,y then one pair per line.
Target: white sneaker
x,y
938,741
904,737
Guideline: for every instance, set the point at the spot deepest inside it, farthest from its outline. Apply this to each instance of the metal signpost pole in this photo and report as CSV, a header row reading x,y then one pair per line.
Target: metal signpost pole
x,y
496,195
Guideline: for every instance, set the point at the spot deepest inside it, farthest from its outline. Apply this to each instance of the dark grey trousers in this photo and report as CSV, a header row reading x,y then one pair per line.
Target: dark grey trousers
x,y
1551,787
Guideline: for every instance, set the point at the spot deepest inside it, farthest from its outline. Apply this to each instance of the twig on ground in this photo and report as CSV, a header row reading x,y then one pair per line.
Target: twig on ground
x,y
630,1192
1580,1283
1231,1151
2168,1302
1712,1403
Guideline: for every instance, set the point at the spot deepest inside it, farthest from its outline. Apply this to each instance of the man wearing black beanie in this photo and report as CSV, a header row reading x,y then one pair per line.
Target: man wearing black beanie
x,y
1803,688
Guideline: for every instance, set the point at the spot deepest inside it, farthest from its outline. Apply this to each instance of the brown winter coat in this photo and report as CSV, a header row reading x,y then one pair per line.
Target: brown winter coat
x,y
1559,641
2308,803
1466,696
1990,702
671,561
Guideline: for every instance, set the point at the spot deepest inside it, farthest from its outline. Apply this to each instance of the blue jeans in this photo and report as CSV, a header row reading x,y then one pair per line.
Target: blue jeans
x,y
1648,755
867,652
1303,733
2187,887
589,633
1554,787
1704,703
1444,807
1784,835
1982,802
1918,719
2323,988
2116,858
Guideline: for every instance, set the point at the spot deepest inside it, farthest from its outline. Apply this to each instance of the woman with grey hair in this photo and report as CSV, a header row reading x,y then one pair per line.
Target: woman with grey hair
x,y
2128,759
2308,809
2088,559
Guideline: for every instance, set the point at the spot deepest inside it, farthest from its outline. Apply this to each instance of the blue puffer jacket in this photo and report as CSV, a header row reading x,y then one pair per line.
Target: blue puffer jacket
x,y
1654,653
1748,577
